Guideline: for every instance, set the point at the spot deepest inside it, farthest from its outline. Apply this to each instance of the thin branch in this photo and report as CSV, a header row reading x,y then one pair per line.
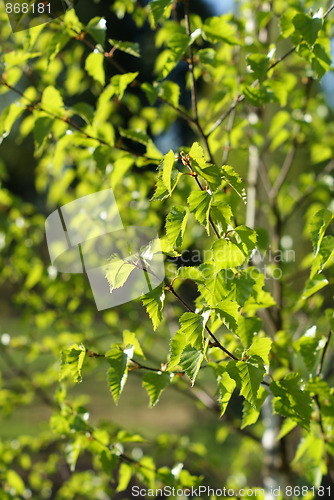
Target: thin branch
x,y
191,63
283,173
321,364
264,177
228,140
311,189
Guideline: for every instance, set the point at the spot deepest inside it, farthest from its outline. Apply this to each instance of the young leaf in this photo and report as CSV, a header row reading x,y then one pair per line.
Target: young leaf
x,y
228,313
176,224
325,255
259,64
94,66
233,179
158,7
71,362
97,29
247,327
128,47
199,202
190,273
191,360
226,386
221,215
217,29
227,255
124,476
318,227
117,272
154,303
168,163
250,414
248,376
155,383
129,338
261,346
177,346
192,327
307,27
291,400
118,371
52,101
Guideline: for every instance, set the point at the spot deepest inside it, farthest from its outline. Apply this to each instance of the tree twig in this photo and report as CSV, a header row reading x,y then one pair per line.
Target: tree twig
x,y
321,364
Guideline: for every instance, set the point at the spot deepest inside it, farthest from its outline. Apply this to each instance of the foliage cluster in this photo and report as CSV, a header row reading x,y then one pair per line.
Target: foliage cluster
x,y
253,174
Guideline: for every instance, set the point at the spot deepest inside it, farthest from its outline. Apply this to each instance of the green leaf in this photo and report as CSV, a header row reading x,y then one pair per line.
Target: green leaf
x,y
258,96
247,327
176,224
248,376
226,386
8,117
161,192
307,27
155,383
247,237
259,63
227,255
118,371
85,110
94,66
154,303
292,400
169,91
230,176
124,476
192,327
228,313
190,273
130,338
191,360
52,101
250,414
313,286
71,362
321,61
177,346
119,83
117,272
199,202
168,163
325,255
221,214
178,44
210,173
97,29
217,29
15,483
318,226
42,129
135,135
309,347
158,8
128,47
287,426
261,347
